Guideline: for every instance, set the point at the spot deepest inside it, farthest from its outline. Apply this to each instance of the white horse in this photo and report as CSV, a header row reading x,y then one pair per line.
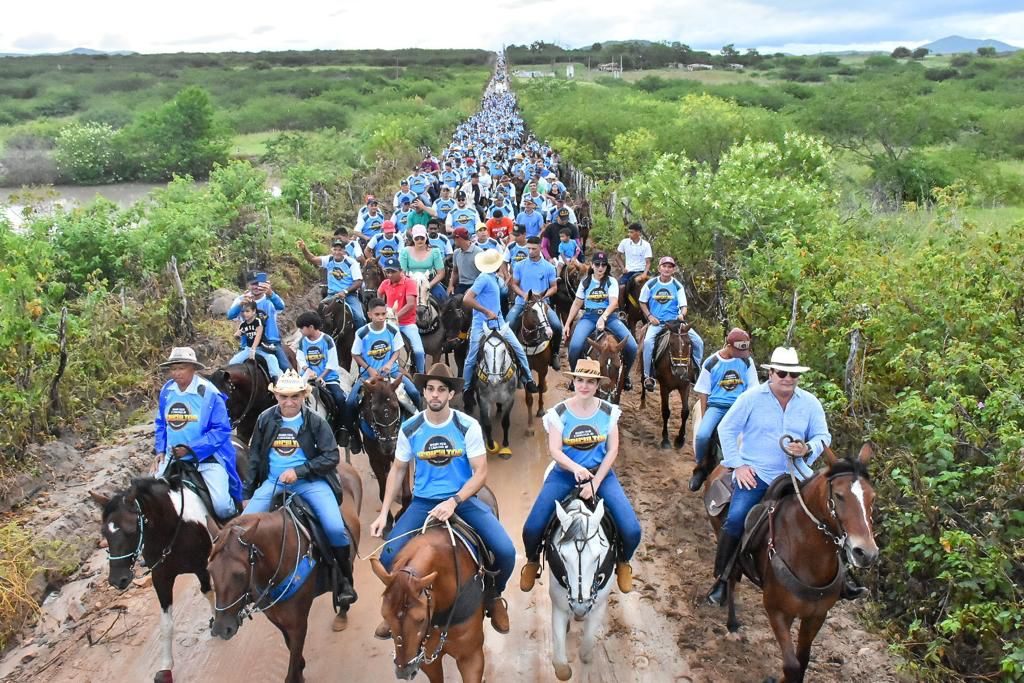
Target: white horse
x,y
582,561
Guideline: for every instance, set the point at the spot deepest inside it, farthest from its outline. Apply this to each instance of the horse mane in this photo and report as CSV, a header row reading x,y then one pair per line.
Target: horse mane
x,y
849,465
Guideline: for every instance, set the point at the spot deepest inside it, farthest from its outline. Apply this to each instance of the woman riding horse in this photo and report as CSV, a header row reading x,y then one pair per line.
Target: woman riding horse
x,y
583,441
598,296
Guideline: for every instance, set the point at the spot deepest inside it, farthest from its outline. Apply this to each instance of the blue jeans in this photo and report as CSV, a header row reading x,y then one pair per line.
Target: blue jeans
x,y
742,501
477,515
624,280
696,347
586,325
355,305
708,425
272,366
412,333
282,359
439,292
318,495
476,336
516,312
352,406
462,288
560,484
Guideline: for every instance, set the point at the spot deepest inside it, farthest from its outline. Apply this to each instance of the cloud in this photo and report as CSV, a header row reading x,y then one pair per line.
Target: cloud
x,y
260,30
38,41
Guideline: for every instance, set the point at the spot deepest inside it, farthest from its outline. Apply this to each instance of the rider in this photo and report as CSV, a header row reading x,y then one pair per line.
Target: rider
x,y
250,331
375,350
464,270
438,239
451,467
598,296
531,219
401,294
462,216
369,223
344,278
663,299
317,358
444,204
725,375
421,257
484,297
192,424
293,451
583,440
517,250
386,243
268,303
568,250
762,416
635,255
534,274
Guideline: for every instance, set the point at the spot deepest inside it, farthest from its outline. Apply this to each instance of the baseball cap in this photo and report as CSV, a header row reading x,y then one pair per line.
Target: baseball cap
x,y
460,195
257,277
338,243
563,213
419,231
407,200
599,257
405,182
461,233
388,226
739,339
666,259
390,263
519,229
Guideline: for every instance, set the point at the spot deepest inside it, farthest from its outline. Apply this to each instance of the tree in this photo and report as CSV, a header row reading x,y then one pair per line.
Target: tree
x,y
920,53
901,53
987,51
729,50
86,153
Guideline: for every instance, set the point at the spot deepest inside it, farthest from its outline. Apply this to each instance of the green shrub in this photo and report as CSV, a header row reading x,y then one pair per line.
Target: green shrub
x,y
88,154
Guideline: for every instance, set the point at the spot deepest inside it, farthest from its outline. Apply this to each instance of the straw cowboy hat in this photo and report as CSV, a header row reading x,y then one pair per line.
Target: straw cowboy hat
x,y
785,358
488,261
290,384
182,354
440,372
586,368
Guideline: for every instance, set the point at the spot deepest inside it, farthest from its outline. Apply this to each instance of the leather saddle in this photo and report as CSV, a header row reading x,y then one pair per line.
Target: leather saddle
x,y
185,473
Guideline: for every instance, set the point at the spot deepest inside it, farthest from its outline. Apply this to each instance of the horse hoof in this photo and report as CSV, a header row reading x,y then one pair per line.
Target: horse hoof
x,y
586,656
505,453
492,448
340,622
733,626
163,676
529,432
563,672
679,443
665,445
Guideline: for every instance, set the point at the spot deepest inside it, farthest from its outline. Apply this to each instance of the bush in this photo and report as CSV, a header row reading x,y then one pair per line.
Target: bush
x,y
940,74
87,153
28,160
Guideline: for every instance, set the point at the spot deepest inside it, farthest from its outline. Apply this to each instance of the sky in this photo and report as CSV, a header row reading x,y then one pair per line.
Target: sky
x,y
795,26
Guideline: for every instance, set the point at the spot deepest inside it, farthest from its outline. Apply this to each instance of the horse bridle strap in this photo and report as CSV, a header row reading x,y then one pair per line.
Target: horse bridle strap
x,y
789,579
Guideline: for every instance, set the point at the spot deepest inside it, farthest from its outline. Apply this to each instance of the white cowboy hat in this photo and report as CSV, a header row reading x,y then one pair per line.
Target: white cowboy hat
x,y
586,367
182,354
785,358
488,261
290,384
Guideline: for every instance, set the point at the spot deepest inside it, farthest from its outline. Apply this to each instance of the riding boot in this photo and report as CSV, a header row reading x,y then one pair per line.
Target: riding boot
x,y
528,575
528,383
346,586
850,589
468,396
343,437
355,440
627,384
624,576
699,475
496,608
728,545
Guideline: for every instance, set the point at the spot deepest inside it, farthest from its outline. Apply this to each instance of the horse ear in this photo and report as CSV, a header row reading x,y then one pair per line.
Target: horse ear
x,y
590,343
212,526
867,451
563,517
382,574
100,498
598,513
622,344
426,581
250,530
397,382
829,456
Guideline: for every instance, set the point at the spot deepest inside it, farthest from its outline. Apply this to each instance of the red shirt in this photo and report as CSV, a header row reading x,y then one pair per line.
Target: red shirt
x,y
395,296
500,228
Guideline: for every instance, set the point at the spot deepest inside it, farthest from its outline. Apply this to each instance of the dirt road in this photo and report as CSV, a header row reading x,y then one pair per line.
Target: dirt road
x,y
90,633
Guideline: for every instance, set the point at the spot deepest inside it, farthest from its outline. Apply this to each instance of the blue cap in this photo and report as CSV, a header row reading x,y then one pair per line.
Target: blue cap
x,y
257,277
390,263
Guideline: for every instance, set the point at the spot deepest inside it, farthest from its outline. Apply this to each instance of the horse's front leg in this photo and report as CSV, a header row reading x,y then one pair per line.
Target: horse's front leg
x,y
434,671
295,636
559,629
665,413
733,624
808,632
543,375
207,591
781,625
529,412
681,437
164,586
590,627
471,666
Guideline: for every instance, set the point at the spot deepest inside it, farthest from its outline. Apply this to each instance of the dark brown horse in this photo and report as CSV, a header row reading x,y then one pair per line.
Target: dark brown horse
x,y
254,552
373,276
583,220
165,527
455,321
566,292
797,559
380,418
629,301
339,323
605,350
534,331
672,371
428,574
247,389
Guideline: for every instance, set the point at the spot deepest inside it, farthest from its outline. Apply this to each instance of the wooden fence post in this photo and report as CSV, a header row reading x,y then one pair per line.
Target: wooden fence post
x,y
56,406
183,323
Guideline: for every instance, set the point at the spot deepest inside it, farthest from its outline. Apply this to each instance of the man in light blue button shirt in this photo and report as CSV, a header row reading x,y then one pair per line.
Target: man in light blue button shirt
x,y
762,416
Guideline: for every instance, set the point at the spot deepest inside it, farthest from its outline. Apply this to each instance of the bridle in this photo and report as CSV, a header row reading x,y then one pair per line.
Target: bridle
x,y
133,556
489,362
390,427
461,335
535,335
679,362
580,541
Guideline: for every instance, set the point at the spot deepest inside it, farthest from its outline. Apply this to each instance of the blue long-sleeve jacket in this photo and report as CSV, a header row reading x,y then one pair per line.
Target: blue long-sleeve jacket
x,y
269,306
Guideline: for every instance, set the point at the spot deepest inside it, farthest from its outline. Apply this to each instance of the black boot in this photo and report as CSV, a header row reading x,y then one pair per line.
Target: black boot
x,y
850,589
346,591
343,437
355,440
699,475
728,545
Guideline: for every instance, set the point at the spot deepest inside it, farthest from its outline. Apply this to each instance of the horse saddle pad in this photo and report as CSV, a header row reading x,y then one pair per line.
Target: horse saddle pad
x,y
718,493
308,522
185,473
473,541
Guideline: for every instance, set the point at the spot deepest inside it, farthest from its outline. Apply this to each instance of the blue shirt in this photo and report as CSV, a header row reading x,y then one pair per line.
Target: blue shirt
x,y
370,225
285,451
488,244
442,453
444,207
584,439
465,218
569,249
384,246
722,380
533,222
319,355
352,249
597,297
401,219
534,276
441,242
488,295
663,298
451,178
340,274
759,417
418,183
377,347
181,414
266,308
516,253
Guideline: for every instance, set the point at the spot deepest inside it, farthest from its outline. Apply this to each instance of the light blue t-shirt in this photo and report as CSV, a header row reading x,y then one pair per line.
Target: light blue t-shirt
x,y
376,348
488,295
285,451
663,298
444,207
597,296
181,415
442,453
534,276
340,274
516,253
569,249
584,439
722,380
533,222
382,246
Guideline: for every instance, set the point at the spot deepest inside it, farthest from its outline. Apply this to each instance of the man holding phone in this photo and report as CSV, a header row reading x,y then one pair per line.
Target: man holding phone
x,y
268,304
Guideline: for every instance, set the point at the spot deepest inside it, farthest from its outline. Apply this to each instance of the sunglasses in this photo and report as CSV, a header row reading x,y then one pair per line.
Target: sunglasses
x,y
783,374
741,345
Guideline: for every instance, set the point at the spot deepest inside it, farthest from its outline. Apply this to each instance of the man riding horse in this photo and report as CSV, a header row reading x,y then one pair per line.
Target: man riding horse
x,y
293,451
663,299
762,416
401,294
344,278
451,467
317,358
268,304
192,425
536,275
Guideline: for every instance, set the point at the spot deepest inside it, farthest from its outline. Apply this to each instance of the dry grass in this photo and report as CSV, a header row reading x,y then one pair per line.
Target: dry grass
x,y
22,559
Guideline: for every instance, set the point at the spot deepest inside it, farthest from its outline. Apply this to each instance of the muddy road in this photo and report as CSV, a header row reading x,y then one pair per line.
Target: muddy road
x,y
90,633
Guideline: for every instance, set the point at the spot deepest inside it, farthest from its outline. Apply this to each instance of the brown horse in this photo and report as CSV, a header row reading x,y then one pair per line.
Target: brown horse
x,y
380,418
247,389
254,552
605,350
571,278
165,527
339,323
629,301
533,331
797,561
373,276
583,220
429,574
672,372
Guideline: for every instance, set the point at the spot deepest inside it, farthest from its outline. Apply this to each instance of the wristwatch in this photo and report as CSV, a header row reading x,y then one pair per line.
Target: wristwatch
x,y
457,499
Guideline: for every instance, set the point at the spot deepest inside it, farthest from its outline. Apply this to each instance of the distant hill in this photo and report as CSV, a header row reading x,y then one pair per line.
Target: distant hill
x,y
957,44
85,51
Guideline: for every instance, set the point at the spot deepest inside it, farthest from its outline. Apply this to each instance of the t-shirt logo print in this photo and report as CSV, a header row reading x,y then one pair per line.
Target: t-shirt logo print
x,y
379,349
439,451
314,356
731,380
598,295
286,441
179,415
583,438
663,296
337,273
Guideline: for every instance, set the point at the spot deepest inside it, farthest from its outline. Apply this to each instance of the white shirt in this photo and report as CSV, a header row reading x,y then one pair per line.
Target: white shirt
x,y
636,254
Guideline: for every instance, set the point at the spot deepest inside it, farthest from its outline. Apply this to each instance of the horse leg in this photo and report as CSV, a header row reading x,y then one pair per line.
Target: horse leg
x,y
733,624
164,586
207,591
665,413
529,411
559,628
542,375
805,638
294,631
681,437
434,671
781,625
472,666
590,626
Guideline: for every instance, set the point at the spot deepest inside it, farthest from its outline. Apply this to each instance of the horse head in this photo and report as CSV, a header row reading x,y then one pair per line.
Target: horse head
x,y
496,365
608,353
455,320
123,525
426,307
232,566
584,551
534,323
337,317
379,407
679,349
407,609
372,273
850,501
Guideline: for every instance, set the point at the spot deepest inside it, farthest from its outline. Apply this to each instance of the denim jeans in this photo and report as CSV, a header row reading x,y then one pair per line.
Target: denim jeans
x,y
282,358
476,337
706,430
355,304
352,405
586,325
272,365
560,484
439,292
412,334
696,347
516,312
316,493
477,515
742,501
216,478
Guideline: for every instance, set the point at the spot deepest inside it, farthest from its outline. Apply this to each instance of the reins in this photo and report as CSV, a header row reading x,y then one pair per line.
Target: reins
x,y
252,394
134,555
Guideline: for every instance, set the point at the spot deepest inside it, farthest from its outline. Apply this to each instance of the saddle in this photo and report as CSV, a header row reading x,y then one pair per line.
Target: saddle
x,y
607,569
181,473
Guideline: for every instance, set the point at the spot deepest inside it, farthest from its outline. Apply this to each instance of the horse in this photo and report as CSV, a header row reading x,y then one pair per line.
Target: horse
x,y
534,331
255,553
605,350
672,361
428,318
563,297
373,276
380,418
582,560
629,301
247,388
796,560
455,321
496,381
339,323
583,220
165,526
433,602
